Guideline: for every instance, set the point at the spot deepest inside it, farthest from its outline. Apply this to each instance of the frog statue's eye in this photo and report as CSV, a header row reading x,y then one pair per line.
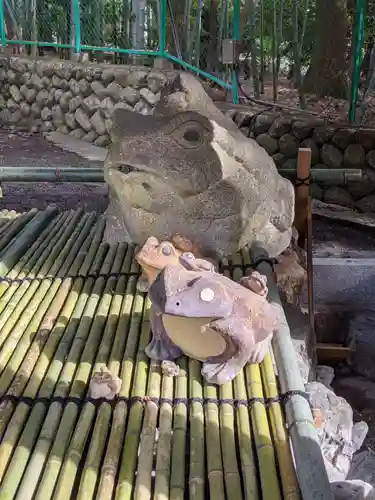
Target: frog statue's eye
x,y
166,250
207,295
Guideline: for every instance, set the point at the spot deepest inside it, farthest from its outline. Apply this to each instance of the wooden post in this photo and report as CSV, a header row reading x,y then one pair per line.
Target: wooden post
x,y
302,194
303,224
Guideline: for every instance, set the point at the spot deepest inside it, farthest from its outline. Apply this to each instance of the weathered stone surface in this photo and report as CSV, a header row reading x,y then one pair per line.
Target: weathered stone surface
x,y
352,490
331,156
263,123
5,116
290,163
322,134
315,152
46,82
280,126
56,81
70,120
359,391
47,126
366,138
74,87
106,107
143,108
58,117
107,76
114,90
302,129
343,137
77,133
149,97
154,202
122,105
339,437
288,145
279,159
362,339
84,87
99,89
36,109
12,106
65,100
317,191
363,467
367,186
83,120
2,102
338,196
75,103
63,129
268,143
137,79
46,114
121,77
98,123
156,81
90,136
366,204
371,159
354,156
36,82
15,93
242,118
90,105
58,95
130,95
15,117
103,141
25,109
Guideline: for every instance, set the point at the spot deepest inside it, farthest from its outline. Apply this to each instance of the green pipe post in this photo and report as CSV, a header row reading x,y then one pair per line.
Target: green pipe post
x,y
77,26
2,25
358,44
163,31
235,38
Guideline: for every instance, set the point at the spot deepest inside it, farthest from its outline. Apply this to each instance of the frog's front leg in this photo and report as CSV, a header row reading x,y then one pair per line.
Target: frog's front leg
x,y
161,347
239,337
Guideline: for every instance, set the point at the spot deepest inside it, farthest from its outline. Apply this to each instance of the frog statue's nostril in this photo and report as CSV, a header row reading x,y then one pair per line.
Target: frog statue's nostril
x,y
178,303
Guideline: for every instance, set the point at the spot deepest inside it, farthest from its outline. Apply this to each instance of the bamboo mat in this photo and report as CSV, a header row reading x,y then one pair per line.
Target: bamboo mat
x,y
69,306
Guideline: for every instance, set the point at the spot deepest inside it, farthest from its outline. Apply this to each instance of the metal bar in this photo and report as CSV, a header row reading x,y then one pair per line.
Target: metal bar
x,y
96,174
358,43
311,472
2,25
77,26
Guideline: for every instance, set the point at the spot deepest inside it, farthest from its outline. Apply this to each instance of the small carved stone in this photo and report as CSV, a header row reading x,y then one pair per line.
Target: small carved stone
x,y
104,385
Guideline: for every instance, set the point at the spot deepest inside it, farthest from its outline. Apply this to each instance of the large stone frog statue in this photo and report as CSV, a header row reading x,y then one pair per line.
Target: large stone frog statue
x,y
189,169
205,315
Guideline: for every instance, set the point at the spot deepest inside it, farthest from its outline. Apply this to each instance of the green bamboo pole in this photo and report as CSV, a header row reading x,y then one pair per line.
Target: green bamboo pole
x,y
15,227
125,335
25,239
280,436
262,436
180,424
142,490
164,448
129,453
53,370
215,473
197,431
14,294
27,306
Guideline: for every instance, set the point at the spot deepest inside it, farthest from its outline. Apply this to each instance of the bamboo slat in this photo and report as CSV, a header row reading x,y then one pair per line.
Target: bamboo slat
x,y
68,308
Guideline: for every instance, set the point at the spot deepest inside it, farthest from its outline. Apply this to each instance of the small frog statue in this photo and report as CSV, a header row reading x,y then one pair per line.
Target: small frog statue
x,y
209,317
104,385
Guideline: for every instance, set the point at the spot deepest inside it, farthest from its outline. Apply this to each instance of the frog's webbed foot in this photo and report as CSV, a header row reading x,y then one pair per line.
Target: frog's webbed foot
x,y
220,373
161,347
260,350
142,284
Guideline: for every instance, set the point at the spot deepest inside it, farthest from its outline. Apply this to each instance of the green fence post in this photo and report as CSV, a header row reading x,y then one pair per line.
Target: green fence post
x,y
2,25
162,21
358,43
236,38
77,25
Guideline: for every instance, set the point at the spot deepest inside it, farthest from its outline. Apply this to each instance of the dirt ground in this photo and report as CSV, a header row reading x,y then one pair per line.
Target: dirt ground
x,y
26,150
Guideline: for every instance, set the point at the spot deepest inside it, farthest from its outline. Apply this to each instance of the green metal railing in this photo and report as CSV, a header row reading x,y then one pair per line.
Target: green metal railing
x,y
74,12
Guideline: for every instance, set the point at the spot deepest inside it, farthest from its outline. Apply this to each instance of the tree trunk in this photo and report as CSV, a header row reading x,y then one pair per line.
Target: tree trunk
x,y
212,47
327,75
